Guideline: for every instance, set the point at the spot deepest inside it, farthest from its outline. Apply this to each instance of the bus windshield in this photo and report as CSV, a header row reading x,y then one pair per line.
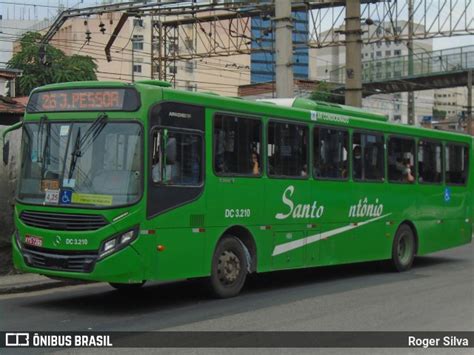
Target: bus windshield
x,y
82,163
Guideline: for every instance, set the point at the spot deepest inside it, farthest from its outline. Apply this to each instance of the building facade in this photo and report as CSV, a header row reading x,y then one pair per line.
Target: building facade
x,y
328,64
263,48
451,102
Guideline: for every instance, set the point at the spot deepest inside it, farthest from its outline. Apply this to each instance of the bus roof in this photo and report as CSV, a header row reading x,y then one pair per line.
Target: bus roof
x,y
298,109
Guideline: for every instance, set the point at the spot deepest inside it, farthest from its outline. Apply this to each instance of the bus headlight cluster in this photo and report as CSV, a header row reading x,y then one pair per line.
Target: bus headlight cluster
x,y
117,242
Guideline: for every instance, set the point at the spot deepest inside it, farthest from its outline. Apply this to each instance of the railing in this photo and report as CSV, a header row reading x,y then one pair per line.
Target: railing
x,y
424,64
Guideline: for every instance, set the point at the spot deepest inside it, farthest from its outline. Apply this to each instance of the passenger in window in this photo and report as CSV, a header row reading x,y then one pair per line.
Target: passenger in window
x,y
255,163
407,171
220,149
357,162
304,170
344,168
156,173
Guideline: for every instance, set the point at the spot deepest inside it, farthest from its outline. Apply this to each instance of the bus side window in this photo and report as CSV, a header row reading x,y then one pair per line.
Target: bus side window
x,y
457,160
430,162
368,157
401,160
237,145
330,153
287,151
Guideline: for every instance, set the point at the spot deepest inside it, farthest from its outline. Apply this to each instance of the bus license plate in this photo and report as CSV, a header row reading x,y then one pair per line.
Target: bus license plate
x,y
32,240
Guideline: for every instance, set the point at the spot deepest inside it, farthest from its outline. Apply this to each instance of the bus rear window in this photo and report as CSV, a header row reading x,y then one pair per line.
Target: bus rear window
x,y
456,158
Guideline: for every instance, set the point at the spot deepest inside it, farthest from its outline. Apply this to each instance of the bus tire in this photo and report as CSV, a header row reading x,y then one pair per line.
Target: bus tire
x,y
229,268
403,249
127,287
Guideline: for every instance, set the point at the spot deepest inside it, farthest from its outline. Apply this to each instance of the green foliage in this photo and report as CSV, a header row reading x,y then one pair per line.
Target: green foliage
x,y
439,114
57,67
322,92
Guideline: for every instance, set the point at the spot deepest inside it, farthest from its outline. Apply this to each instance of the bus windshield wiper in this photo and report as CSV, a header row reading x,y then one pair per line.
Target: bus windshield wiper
x,y
39,138
76,153
45,155
89,136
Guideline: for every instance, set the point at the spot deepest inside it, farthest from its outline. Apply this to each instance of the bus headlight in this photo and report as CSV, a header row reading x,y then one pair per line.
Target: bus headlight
x,y
117,242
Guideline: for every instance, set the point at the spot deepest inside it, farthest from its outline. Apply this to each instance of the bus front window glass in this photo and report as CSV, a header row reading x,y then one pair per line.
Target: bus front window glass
x,y
401,160
429,162
368,157
176,158
457,158
237,145
83,166
287,149
330,153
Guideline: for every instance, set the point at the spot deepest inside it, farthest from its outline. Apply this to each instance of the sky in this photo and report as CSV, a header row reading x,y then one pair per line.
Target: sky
x,y
40,9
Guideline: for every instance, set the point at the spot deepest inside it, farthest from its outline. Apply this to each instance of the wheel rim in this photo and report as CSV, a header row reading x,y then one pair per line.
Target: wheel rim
x,y
405,248
228,267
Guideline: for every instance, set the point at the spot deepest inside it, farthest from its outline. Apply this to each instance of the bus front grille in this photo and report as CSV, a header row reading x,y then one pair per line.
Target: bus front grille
x,y
63,221
54,260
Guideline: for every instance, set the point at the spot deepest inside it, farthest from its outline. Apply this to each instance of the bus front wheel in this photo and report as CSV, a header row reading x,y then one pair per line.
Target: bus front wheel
x,y
229,268
403,249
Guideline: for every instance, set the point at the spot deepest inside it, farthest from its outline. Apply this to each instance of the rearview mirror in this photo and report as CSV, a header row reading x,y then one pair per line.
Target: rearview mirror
x,y
6,152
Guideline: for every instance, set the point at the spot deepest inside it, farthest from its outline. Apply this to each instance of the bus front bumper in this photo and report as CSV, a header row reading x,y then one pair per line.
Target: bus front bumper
x,y
124,266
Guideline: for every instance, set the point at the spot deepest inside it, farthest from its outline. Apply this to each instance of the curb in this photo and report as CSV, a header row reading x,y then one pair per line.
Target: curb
x,y
37,286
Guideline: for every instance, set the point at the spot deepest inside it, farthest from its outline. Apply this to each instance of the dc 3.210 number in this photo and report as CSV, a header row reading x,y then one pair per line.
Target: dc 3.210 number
x,y
71,241
237,213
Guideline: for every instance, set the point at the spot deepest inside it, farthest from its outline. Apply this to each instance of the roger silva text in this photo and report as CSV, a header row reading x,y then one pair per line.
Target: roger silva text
x,y
433,342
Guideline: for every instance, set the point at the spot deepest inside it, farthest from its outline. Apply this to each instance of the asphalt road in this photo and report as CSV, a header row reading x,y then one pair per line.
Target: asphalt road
x,y
436,295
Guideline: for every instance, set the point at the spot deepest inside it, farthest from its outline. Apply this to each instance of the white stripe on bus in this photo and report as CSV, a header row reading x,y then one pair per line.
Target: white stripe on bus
x,y
286,247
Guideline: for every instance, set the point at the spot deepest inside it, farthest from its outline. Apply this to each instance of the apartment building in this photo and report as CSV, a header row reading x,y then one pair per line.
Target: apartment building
x,y
328,64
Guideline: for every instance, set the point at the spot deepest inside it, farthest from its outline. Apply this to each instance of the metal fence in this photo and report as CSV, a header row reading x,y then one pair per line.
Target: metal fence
x,y
424,64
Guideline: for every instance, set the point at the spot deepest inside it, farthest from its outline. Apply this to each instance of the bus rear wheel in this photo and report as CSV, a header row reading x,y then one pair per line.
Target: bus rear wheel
x,y
229,268
403,249
127,287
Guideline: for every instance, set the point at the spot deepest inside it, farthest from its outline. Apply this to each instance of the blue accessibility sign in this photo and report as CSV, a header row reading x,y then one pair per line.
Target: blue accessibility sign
x,y
447,194
65,197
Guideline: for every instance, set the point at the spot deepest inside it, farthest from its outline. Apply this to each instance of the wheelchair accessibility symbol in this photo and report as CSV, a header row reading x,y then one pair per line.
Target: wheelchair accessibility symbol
x,y
66,197
447,195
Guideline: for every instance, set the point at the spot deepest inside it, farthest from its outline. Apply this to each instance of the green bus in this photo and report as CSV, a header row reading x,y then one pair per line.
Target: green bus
x,y
125,183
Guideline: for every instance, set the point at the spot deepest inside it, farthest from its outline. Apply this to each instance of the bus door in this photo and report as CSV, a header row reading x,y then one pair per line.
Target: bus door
x,y
176,205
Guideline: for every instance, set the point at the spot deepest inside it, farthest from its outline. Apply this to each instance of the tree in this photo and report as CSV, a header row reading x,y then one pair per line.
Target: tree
x,y
439,114
56,67
322,92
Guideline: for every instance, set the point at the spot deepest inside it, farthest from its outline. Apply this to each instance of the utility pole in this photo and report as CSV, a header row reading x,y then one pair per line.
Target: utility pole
x,y
353,32
469,102
133,59
284,49
411,94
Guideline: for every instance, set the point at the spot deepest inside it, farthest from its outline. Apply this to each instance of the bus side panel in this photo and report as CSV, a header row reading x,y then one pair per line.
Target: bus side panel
x,y
471,186
288,207
370,205
335,196
431,212
179,246
401,205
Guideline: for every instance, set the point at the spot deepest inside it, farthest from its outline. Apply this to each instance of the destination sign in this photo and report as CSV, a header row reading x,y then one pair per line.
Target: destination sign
x,y
100,99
